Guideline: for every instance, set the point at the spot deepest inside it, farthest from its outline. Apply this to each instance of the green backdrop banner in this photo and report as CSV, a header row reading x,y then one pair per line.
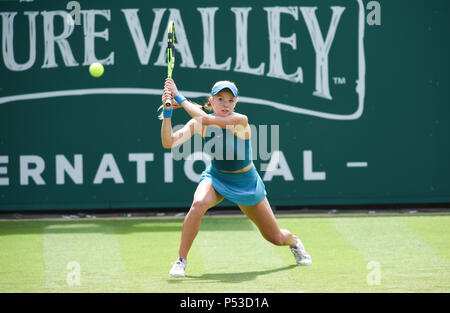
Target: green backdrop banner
x,y
347,100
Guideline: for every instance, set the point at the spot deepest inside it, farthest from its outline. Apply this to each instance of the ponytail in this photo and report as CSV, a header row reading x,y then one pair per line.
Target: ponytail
x,y
207,106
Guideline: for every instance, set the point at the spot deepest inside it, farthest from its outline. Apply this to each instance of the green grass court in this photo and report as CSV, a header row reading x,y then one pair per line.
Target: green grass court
x,y
402,253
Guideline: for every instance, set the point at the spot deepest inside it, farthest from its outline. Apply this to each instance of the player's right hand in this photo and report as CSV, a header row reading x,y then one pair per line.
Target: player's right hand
x,y
168,95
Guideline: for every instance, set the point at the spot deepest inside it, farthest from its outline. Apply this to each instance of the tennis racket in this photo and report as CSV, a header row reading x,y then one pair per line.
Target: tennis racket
x,y
170,55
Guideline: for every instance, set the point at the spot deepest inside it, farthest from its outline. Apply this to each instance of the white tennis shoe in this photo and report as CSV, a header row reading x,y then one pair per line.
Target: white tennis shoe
x,y
178,268
302,257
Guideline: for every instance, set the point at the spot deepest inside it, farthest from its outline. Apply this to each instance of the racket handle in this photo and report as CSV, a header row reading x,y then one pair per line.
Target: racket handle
x,y
168,103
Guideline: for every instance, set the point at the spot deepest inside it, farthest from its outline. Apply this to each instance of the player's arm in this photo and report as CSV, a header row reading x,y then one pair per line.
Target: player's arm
x,y
201,116
172,139
193,110
233,119
208,119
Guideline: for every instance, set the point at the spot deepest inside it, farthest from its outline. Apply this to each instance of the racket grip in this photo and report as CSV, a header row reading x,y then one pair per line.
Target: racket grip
x,y
168,103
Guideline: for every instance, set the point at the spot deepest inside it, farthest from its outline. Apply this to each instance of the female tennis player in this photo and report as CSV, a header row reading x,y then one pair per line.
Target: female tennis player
x,y
233,177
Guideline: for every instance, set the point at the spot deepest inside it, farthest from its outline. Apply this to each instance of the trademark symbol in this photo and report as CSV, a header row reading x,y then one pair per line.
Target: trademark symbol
x,y
339,80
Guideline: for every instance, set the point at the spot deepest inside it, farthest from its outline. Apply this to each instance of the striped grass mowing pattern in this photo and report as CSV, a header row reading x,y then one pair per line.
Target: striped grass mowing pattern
x,y
350,254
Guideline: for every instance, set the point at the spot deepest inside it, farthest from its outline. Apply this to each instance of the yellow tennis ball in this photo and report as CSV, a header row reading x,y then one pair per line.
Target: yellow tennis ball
x,y
96,69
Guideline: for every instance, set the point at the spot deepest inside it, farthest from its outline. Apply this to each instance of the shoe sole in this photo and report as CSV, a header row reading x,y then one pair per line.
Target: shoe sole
x,y
304,264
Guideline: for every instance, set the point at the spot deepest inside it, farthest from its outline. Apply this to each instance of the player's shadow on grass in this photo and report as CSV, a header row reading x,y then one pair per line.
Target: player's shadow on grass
x,y
230,277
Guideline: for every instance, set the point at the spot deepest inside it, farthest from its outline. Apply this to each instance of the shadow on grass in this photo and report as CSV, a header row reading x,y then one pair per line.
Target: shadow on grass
x,y
228,277
119,227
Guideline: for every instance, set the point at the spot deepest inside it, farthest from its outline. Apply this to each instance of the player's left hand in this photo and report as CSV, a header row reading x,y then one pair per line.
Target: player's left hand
x,y
170,85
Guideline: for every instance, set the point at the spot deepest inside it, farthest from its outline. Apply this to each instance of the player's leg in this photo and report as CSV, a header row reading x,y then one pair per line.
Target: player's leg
x,y
205,197
261,214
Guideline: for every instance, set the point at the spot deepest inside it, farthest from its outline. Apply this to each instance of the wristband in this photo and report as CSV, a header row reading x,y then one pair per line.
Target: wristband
x,y
179,98
167,113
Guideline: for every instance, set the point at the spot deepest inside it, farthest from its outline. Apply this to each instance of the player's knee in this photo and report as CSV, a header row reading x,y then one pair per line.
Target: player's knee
x,y
199,206
277,239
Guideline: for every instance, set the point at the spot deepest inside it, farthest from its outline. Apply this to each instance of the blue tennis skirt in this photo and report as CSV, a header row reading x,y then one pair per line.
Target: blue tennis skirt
x,y
240,188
